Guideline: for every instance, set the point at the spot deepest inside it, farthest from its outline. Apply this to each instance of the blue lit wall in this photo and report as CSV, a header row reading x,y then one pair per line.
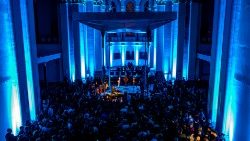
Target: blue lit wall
x,y
9,92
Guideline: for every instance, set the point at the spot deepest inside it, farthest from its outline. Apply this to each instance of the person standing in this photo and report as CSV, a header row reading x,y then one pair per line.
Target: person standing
x,y
9,136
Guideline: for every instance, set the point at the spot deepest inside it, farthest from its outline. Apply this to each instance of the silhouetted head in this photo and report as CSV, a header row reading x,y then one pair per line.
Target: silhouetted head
x,y
9,130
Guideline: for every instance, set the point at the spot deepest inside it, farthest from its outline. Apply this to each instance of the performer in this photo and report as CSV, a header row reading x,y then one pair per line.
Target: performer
x,y
125,79
119,81
133,80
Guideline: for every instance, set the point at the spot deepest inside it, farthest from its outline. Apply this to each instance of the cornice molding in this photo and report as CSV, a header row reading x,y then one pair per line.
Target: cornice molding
x,y
73,1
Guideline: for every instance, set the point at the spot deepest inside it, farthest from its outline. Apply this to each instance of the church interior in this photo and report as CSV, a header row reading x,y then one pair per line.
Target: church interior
x,y
119,70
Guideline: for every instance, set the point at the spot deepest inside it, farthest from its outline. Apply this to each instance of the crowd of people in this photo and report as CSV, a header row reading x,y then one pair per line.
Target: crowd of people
x,y
73,111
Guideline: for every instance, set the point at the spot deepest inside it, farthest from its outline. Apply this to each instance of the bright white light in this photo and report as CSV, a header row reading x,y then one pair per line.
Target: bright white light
x,y
16,114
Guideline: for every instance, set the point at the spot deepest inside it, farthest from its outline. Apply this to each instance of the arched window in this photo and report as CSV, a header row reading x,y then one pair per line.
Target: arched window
x,y
130,7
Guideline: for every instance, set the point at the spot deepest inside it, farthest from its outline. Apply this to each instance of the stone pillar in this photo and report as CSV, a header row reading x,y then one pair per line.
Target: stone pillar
x,y
229,80
90,48
20,60
33,54
98,44
178,38
77,38
67,41
193,41
19,82
160,42
26,54
154,50
237,106
107,49
9,87
218,64
79,45
167,45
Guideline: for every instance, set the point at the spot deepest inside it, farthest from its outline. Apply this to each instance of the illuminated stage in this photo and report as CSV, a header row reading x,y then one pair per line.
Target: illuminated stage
x,y
128,89
118,92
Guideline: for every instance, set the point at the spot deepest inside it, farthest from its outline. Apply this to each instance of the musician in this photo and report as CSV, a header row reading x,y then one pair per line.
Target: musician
x,y
134,80
119,81
125,79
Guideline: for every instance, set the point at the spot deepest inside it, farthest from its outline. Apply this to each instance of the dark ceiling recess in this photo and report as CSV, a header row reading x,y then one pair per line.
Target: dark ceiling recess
x,y
46,20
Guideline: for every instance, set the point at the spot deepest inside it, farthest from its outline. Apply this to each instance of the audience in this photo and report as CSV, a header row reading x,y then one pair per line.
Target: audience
x,y
9,136
74,111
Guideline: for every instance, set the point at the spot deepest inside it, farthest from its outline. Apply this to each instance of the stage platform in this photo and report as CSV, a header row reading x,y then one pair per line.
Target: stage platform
x,y
129,89
123,89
